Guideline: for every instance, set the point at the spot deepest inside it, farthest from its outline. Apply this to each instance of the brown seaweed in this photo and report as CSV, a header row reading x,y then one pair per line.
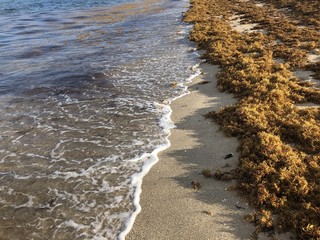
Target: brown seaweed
x,y
279,163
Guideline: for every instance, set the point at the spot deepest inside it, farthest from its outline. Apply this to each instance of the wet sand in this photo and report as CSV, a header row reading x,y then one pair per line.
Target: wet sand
x,y
171,207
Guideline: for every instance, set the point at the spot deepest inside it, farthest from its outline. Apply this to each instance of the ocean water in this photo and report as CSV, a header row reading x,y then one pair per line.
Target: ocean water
x,y
85,88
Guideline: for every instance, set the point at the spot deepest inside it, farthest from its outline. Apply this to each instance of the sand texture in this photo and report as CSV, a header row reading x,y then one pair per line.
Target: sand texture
x,y
268,57
171,207
276,119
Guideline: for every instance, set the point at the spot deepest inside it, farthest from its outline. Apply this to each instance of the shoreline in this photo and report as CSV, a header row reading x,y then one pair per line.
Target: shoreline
x,y
259,66
279,139
171,207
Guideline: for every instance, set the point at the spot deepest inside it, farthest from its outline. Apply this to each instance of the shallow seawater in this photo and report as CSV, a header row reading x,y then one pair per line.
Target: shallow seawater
x,y
83,107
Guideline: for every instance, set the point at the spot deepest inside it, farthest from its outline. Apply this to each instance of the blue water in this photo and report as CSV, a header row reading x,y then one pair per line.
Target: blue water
x,y
16,7
84,94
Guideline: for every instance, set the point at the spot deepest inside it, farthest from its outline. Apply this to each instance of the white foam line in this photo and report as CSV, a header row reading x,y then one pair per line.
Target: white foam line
x,y
189,80
197,73
152,159
137,177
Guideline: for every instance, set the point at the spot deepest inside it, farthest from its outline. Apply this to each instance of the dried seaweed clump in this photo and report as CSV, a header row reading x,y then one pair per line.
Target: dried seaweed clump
x,y
279,165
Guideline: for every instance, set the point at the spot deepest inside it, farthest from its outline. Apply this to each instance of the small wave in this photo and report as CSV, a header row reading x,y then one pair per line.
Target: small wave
x,y
87,119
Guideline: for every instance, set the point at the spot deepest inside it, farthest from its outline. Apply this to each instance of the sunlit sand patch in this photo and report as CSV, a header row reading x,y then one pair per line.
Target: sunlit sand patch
x,y
303,75
313,58
306,76
307,105
279,60
260,4
236,25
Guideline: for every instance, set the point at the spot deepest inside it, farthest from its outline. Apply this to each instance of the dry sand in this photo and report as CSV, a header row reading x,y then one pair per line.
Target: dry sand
x,y
171,208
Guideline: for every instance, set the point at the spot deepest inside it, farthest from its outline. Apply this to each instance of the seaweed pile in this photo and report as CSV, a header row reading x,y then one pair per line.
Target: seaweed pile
x,y
279,164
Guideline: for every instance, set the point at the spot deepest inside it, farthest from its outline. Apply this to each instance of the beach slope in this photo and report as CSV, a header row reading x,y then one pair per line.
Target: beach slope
x,y
173,207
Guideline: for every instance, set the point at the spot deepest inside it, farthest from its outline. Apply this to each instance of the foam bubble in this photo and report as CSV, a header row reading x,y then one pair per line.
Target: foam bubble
x,y
150,160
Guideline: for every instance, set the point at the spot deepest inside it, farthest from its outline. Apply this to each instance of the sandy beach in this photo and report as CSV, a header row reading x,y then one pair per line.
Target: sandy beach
x,y
171,207
268,57
87,146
